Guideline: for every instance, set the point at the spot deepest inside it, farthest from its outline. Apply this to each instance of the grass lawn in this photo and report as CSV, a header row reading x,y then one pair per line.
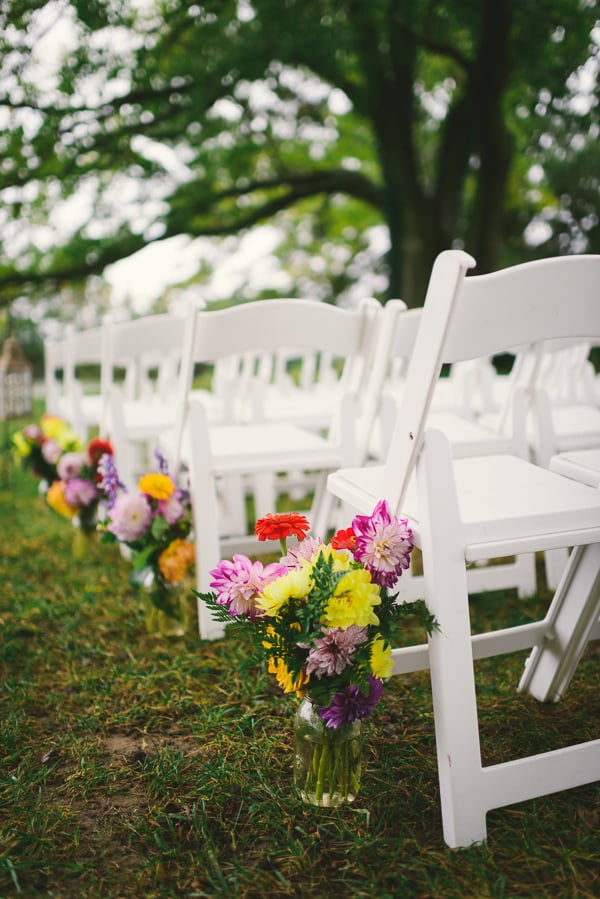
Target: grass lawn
x,y
135,767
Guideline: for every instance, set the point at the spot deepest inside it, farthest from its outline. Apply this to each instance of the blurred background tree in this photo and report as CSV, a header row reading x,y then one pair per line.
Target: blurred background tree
x,y
372,133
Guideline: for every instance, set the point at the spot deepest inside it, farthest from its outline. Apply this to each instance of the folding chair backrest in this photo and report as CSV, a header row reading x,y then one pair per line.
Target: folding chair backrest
x,y
265,326
140,346
483,315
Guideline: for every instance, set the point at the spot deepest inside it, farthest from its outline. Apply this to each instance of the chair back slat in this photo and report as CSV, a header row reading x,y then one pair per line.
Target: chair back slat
x,y
481,315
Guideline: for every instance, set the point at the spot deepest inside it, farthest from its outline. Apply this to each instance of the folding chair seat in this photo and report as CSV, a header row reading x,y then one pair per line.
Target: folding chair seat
x,y
465,509
256,452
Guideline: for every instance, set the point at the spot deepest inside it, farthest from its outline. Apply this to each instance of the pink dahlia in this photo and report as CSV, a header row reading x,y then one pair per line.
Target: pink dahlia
x,y
69,465
238,583
80,493
334,651
131,517
383,544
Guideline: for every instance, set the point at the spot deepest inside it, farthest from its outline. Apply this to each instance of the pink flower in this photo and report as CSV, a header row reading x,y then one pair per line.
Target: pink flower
x,y
304,550
171,509
80,493
383,544
334,651
131,517
69,465
33,432
239,582
51,451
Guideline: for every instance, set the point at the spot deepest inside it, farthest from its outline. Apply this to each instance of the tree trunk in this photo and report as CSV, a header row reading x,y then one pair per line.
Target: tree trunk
x,y
490,76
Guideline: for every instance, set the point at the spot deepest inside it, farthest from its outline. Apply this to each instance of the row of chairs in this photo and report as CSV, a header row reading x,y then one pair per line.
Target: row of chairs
x,y
485,467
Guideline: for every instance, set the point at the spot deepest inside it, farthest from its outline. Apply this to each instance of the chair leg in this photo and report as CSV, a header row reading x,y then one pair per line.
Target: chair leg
x,y
206,519
572,617
555,561
450,652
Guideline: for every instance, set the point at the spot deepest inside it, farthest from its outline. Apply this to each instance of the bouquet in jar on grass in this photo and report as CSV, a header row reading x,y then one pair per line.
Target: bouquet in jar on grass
x,y
154,523
77,492
322,619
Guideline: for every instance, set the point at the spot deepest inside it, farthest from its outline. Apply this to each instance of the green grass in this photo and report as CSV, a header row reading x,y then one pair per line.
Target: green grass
x,y
134,767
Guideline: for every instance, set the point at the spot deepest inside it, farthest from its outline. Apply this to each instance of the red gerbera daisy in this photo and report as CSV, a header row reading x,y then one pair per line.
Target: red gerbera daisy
x,y
344,540
280,525
98,448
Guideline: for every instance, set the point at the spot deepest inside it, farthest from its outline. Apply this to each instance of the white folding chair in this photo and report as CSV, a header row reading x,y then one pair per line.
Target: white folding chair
x,y
465,509
252,451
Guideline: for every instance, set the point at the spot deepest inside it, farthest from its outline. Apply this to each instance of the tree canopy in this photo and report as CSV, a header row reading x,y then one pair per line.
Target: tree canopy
x,y
448,122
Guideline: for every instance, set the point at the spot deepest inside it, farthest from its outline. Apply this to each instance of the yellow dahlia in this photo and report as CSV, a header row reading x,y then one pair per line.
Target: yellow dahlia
x,y
353,600
382,663
274,596
156,486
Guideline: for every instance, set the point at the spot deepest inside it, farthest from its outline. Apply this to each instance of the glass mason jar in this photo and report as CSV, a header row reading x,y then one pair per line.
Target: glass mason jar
x,y
168,608
84,534
327,760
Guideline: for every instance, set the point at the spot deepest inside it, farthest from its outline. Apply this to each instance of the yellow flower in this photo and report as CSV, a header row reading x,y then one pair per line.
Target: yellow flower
x,y
353,600
341,557
294,585
55,428
55,498
382,663
283,677
22,447
174,561
157,486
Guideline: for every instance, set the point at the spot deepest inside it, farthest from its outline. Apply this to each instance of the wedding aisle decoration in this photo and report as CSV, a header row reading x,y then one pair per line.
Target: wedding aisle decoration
x,y
77,490
322,619
155,524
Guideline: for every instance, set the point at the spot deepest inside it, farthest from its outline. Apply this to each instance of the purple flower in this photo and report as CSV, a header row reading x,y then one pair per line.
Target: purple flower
x,y
69,465
239,582
383,544
163,465
110,483
131,517
334,650
79,493
351,703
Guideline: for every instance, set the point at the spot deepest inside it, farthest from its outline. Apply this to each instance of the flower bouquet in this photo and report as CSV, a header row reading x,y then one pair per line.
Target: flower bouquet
x,y
322,619
154,524
76,491
39,447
